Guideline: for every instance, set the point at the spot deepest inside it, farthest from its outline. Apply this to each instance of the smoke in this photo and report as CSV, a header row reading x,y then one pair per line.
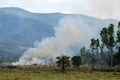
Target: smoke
x,y
100,8
71,32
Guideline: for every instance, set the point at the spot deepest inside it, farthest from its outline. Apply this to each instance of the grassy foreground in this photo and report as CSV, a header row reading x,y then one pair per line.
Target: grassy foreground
x,y
50,73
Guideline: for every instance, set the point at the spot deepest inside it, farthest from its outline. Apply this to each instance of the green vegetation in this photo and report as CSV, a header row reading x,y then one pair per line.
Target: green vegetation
x,y
107,35
76,61
63,62
53,73
100,62
104,51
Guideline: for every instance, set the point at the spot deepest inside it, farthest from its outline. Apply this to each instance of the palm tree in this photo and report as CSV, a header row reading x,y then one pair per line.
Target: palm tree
x,y
63,62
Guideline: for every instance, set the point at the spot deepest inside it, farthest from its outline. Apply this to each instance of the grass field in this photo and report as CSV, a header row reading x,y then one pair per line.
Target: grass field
x,y
49,73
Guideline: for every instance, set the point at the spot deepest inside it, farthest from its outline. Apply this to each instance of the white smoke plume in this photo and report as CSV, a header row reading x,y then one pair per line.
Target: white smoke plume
x,y
70,32
99,8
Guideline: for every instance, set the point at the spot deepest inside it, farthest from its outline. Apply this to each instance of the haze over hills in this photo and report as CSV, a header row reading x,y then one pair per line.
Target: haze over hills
x,y
19,29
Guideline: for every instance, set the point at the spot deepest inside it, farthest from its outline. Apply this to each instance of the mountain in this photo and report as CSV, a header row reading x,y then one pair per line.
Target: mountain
x,y
49,18
22,28
19,29
10,52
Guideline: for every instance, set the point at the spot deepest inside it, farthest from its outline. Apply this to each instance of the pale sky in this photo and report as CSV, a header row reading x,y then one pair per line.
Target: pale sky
x,y
96,8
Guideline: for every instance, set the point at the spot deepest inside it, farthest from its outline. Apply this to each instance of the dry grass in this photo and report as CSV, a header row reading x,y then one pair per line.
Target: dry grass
x,y
52,73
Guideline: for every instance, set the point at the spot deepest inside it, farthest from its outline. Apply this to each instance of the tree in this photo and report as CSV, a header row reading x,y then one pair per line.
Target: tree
x,y
93,61
107,35
118,33
76,61
118,42
104,36
97,45
63,62
94,46
101,49
82,51
85,55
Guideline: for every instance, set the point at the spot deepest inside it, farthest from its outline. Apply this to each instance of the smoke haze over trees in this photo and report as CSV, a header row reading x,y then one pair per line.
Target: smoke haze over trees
x,y
66,33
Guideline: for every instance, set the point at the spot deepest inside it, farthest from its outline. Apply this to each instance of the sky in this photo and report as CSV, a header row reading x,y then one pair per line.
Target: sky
x,y
96,8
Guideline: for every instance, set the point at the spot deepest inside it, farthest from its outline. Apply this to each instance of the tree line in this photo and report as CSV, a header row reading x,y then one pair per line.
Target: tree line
x,y
103,52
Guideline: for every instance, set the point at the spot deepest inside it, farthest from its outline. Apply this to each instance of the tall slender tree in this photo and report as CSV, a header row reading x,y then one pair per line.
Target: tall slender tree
x,y
118,33
118,43
93,48
107,35
97,46
92,44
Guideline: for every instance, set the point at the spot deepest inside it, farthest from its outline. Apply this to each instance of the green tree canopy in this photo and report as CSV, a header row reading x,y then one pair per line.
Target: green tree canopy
x,y
107,36
63,62
76,61
118,33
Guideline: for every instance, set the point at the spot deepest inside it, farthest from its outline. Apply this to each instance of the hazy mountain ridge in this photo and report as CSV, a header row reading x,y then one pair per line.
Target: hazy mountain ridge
x,y
10,51
22,28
